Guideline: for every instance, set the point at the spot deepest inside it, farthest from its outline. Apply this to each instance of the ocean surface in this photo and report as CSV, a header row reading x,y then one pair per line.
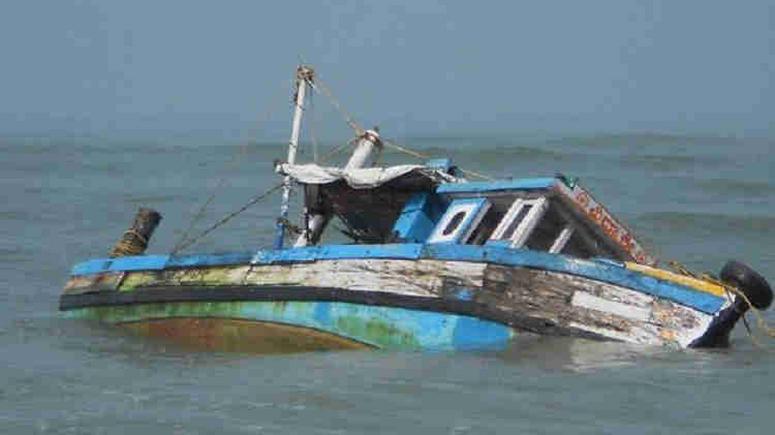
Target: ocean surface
x,y
697,199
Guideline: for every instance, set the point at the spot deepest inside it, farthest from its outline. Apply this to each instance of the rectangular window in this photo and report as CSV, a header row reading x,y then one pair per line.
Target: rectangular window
x,y
520,220
547,230
459,221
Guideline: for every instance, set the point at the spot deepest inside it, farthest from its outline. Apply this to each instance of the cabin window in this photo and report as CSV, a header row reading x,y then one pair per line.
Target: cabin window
x,y
520,220
487,226
577,246
548,232
454,223
459,221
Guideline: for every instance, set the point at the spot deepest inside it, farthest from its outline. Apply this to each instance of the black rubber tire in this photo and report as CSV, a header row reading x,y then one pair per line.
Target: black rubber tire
x,y
753,285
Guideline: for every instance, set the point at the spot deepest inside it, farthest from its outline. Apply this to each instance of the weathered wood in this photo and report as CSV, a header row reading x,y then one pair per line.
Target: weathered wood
x,y
109,281
524,298
574,303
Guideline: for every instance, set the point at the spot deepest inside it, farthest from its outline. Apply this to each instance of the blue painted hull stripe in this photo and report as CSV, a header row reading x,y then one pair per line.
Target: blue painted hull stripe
x,y
600,271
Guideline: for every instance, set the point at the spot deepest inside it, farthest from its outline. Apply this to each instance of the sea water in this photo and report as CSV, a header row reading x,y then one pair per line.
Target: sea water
x,y
698,199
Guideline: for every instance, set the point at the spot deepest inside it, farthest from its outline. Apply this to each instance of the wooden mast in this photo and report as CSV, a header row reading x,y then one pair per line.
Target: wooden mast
x,y
304,76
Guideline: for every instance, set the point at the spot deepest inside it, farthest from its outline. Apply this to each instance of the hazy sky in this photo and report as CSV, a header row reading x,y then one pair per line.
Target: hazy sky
x,y
413,67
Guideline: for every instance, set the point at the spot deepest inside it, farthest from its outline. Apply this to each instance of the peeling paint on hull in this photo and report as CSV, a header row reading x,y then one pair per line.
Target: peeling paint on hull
x,y
236,335
515,291
338,324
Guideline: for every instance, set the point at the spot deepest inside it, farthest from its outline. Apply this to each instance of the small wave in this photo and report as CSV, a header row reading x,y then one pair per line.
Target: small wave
x,y
10,215
707,222
155,199
643,139
735,187
667,162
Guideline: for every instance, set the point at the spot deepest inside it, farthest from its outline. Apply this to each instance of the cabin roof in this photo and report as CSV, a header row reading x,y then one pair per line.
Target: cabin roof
x,y
369,200
497,185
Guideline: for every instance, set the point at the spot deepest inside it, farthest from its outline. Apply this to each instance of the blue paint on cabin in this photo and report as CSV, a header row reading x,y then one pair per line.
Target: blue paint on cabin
x,y
419,216
499,243
492,186
469,208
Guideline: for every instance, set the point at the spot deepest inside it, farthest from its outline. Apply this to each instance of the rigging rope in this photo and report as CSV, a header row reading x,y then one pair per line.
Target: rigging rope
x,y
426,157
253,201
312,124
227,170
336,150
319,86
200,213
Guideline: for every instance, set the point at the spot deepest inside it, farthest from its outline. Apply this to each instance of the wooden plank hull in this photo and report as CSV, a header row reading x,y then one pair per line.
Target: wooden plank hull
x,y
387,303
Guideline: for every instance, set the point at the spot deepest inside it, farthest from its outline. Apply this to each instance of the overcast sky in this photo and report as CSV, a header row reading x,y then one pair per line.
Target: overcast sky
x,y
413,67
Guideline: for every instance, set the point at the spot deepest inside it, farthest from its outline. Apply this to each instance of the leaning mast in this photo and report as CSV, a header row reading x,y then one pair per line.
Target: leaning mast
x,y
304,77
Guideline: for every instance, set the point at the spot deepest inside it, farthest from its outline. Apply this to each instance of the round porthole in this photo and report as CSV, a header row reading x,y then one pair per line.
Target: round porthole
x,y
454,223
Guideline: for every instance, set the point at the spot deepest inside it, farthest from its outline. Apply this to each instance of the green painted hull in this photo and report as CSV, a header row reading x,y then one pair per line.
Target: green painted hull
x,y
334,325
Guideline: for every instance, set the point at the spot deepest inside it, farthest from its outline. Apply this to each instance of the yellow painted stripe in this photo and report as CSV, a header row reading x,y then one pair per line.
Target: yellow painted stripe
x,y
697,284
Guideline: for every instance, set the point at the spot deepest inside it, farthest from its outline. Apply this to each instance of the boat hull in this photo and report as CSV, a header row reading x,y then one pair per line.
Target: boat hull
x,y
298,325
463,299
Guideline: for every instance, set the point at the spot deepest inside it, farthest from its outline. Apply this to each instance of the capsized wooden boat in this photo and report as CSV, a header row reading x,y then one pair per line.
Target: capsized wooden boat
x,y
435,262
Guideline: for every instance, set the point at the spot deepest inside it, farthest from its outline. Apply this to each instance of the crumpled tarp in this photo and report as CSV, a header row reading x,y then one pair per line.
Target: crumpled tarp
x,y
362,178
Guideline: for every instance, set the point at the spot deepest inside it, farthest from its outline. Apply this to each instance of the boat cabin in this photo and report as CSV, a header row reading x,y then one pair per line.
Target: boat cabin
x,y
431,204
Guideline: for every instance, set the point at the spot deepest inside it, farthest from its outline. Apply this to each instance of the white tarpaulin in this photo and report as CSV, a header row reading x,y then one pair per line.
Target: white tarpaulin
x,y
362,178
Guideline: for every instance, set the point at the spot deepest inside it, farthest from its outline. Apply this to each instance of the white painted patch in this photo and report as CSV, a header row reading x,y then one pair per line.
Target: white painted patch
x,y
646,334
406,277
606,290
586,300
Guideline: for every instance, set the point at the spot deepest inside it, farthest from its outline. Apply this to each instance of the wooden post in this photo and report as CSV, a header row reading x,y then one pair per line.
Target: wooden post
x,y
134,241
304,75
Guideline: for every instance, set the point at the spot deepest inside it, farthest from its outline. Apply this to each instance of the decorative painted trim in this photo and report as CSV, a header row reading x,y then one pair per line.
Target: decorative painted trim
x,y
587,206
688,281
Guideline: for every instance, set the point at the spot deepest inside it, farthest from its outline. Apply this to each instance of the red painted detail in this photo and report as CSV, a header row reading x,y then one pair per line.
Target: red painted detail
x,y
608,225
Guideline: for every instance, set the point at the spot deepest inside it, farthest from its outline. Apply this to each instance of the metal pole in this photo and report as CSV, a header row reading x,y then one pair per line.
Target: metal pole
x,y
366,144
303,76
